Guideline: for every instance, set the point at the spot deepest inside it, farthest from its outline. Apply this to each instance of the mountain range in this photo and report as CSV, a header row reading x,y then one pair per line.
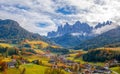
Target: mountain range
x,y
78,27
77,36
73,35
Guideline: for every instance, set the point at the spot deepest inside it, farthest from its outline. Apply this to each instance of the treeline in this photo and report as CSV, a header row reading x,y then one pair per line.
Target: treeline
x,y
101,55
113,45
15,51
8,51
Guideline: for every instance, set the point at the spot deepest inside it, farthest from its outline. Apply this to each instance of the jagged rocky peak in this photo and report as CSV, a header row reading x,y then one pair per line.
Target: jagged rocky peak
x,y
77,22
52,34
59,27
99,25
67,24
78,27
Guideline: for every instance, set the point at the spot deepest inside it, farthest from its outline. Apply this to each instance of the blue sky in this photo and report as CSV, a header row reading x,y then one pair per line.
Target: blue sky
x,y
66,10
43,16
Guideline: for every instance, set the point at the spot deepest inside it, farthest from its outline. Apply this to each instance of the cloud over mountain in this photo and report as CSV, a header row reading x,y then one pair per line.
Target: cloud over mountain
x,y
42,16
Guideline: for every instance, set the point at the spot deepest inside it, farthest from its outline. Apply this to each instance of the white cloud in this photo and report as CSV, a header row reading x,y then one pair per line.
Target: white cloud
x,y
105,28
30,12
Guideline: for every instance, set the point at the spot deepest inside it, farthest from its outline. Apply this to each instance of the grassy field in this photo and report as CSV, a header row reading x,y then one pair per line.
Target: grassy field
x,y
34,69
35,57
12,71
4,45
114,49
116,69
33,43
72,57
30,69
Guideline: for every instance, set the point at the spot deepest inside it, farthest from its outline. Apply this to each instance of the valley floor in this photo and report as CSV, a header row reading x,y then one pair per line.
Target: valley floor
x,y
49,62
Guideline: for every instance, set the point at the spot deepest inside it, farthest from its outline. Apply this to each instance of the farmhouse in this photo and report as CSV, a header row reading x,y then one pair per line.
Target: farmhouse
x,y
11,64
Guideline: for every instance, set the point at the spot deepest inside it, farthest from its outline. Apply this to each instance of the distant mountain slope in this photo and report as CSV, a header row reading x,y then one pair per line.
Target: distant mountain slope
x,y
114,45
107,38
69,40
11,30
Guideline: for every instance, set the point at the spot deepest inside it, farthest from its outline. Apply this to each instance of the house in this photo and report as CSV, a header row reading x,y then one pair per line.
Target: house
x,y
11,64
87,66
24,61
68,62
48,55
98,72
106,65
86,71
55,66
67,69
35,61
102,70
113,63
52,61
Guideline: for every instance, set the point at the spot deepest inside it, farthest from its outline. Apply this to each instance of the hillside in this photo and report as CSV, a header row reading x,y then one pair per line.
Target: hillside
x,y
10,30
107,38
12,35
102,55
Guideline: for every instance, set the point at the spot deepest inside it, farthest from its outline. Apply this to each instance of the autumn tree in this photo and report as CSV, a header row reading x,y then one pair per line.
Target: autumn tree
x,y
17,50
3,66
6,51
76,67
23,50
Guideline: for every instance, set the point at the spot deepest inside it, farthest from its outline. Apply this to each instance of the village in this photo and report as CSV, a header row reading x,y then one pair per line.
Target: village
x,y
61,62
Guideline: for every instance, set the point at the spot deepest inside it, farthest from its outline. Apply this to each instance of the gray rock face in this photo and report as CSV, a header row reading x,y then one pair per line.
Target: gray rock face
x,y
99,25
78,27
